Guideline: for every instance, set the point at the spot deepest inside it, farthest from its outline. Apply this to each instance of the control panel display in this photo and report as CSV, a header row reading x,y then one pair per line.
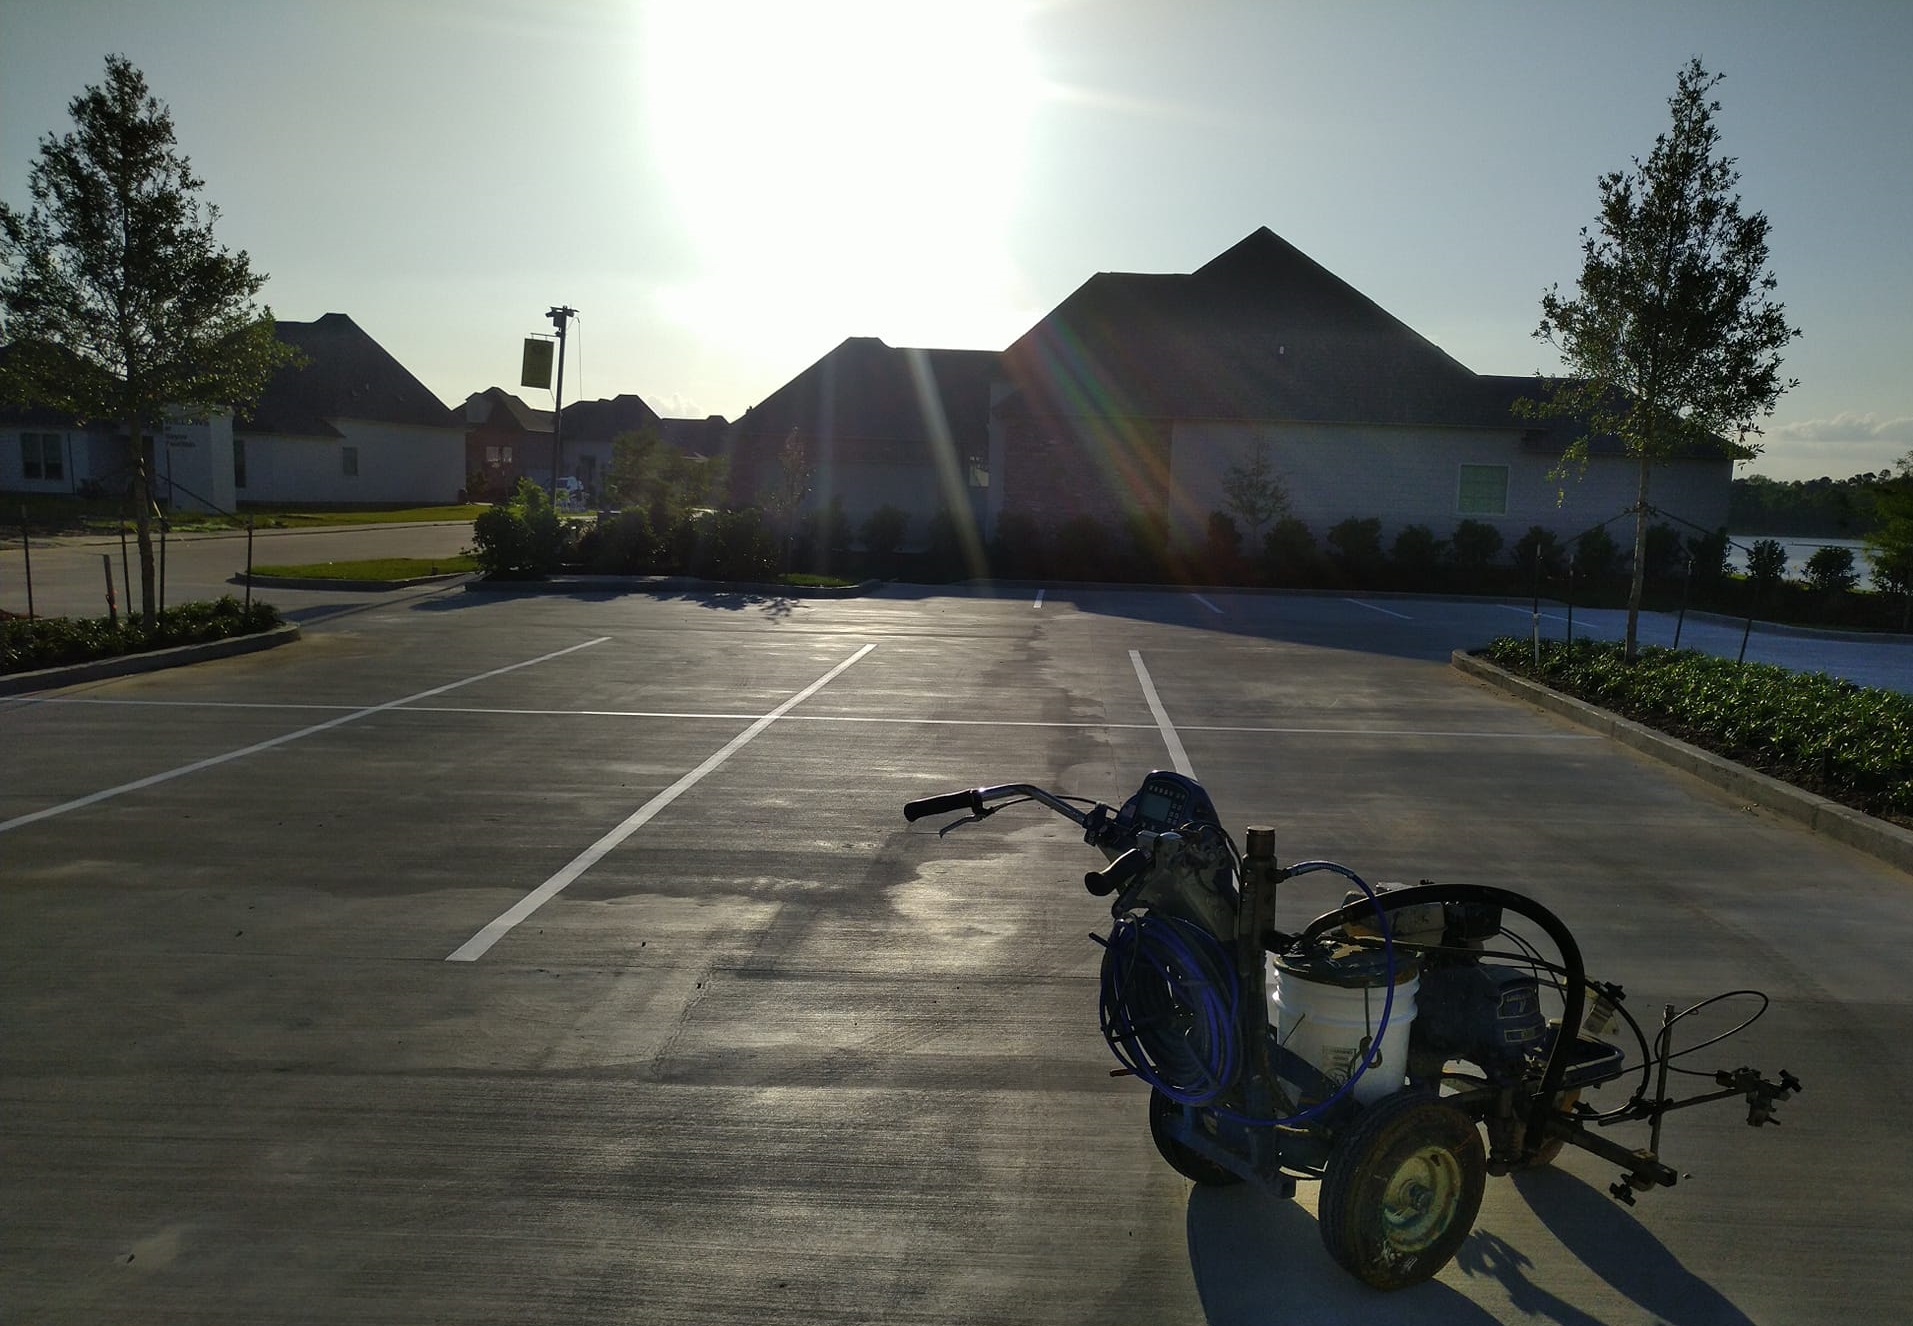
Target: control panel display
x,y
1167,801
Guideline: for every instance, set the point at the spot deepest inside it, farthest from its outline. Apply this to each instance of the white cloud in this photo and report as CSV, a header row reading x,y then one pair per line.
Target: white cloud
x,y
1847,426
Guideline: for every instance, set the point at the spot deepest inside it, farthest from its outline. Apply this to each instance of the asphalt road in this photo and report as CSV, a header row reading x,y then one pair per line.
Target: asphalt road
x,y
69,581
507,959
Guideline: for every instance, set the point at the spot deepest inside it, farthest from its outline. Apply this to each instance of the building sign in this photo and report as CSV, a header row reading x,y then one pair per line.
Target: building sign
x,y
537,364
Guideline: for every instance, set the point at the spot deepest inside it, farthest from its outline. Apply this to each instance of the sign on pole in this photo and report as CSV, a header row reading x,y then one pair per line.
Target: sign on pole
x,y
537,364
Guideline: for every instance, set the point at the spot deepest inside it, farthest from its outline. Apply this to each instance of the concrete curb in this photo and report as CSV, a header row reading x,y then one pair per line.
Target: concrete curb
x,y
665,585
46,679
369,586
1876,837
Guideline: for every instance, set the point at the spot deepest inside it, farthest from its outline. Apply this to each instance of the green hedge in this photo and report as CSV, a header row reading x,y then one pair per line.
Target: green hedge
x,y
52,642
1852,744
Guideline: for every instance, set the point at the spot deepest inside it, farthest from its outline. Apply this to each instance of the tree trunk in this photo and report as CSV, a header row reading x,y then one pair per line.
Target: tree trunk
x,y
143,527
1639,582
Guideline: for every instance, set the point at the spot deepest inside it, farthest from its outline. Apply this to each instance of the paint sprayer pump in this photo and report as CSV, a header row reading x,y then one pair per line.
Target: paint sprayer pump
x,y
1371,1050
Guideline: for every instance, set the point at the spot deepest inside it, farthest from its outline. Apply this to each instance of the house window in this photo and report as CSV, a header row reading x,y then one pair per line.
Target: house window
x,y
239,462
498,456
351,455
1483,491
979,472
42,456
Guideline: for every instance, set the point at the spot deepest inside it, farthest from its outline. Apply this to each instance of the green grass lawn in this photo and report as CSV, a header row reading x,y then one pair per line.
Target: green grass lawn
x,y
804,580
302,517
72,515
377,568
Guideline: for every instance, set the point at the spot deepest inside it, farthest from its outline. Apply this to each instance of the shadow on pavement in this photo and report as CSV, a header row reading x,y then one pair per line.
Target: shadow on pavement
x,y
1609,1242
1260,1260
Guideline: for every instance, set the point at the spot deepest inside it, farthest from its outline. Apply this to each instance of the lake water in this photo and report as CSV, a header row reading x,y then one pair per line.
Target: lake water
x,y
1798,551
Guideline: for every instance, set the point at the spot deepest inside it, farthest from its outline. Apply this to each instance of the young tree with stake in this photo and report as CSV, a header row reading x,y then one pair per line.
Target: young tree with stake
x,y
1672,342
117,303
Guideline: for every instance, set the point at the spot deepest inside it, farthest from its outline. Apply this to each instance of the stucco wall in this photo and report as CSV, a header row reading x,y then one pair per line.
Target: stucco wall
x,y
396,463
193,465
1410,476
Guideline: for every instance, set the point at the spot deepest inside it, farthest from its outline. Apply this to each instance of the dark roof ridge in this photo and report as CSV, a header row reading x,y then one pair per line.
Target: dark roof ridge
x,y
347,375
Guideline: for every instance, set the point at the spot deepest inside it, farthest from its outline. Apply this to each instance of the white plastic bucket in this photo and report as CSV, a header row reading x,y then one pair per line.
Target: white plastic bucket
x,y
1327,1023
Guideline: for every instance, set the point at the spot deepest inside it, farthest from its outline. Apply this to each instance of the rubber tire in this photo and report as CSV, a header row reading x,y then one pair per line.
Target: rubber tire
x,y
1399,1147
1196,1168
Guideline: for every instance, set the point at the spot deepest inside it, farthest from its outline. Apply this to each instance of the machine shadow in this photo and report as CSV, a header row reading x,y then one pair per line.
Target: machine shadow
x,y
1615,1246
1259,1260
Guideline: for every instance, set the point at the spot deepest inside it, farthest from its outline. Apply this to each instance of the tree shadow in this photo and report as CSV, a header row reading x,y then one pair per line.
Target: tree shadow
x,y
1257,1259
1610,1242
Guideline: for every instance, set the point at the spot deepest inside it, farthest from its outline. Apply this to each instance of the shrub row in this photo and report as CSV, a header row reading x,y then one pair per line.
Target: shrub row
x,y
1351,553
1852,744
52,642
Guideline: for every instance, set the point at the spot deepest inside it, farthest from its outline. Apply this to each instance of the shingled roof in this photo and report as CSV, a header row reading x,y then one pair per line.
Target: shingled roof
x,y
348,375
1262,331
602,420
499,410
868,390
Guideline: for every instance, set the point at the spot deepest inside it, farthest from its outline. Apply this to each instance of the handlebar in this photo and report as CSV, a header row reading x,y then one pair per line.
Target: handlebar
x,y
1117,873
976,800
971,801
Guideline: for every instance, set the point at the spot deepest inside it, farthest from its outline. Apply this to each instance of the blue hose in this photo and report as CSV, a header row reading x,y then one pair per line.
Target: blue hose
x,y
1170,1001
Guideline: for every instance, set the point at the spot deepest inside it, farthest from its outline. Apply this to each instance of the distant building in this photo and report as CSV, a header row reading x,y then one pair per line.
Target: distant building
x,y
505,440
1137,393
877,425
350,425
590,429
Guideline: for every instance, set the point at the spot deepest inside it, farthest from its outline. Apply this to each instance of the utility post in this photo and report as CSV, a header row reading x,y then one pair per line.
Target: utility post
x,y
559,315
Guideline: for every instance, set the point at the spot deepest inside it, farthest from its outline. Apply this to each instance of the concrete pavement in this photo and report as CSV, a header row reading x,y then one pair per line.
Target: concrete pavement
x,y
744,1045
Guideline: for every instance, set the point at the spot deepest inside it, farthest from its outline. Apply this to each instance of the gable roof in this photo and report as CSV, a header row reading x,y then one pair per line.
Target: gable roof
x,y
497,408
875,392
348,375
1261,331
697,437
602,420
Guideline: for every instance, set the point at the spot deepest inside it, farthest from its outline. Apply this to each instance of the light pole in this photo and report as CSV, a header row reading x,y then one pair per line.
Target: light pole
x,y
559,315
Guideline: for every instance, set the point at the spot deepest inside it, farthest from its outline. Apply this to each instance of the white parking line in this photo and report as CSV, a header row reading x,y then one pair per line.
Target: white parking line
x,y
1375,607
20,821
477,946
1177,755
1205,603
880,719
1039,598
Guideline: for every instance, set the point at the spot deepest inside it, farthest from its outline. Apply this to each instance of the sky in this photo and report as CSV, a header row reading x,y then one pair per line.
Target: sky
x,y
726,189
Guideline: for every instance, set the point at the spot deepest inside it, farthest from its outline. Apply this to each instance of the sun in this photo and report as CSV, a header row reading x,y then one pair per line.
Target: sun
x,y
846,161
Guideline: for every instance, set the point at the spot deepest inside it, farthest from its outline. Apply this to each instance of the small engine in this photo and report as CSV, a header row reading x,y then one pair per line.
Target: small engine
x,y
1491,1016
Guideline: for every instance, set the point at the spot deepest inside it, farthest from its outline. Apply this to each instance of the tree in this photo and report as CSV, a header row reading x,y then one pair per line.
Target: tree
x,y
1766,564
788,488
1890,546
1253,493
645,472
1830,570
1673,341
118,304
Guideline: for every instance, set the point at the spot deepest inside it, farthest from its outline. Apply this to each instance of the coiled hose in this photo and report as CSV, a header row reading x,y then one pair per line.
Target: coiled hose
x,y
1170,999
1168,1006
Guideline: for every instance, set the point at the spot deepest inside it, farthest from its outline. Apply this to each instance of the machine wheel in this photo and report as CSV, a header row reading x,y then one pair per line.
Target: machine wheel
x,y
1197,1168
1402,1189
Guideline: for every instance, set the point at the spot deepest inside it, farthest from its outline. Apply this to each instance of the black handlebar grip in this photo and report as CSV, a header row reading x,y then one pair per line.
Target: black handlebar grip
x,y
937,805
1113,876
